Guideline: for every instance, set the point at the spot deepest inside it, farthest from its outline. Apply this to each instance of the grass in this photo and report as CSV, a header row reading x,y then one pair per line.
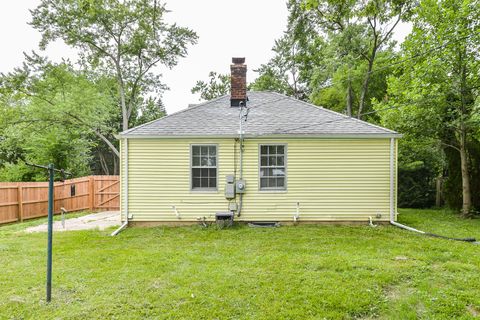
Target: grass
x,y
303,272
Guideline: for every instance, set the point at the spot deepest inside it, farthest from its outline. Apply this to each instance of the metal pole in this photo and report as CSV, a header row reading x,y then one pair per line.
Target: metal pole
x,y
51,170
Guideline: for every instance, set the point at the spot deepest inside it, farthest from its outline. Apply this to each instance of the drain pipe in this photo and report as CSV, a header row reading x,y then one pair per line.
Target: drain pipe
x,y
125,223
392,192
176,212
392,203
392,180
296,216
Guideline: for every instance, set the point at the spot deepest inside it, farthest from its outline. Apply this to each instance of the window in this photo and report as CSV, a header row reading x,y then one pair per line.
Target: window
x,y
204,167
272,167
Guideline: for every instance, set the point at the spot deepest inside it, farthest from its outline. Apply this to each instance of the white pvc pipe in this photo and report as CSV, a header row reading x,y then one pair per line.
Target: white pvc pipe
x,y
125,223
123,226
176,212
406,227
296,216
392,179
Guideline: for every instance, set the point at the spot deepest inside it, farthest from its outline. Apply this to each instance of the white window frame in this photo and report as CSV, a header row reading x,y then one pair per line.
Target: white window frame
x,y
285,162
199,167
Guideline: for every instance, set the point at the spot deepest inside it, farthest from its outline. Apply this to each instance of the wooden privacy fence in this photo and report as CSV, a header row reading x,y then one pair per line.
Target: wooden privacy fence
x,y
26,200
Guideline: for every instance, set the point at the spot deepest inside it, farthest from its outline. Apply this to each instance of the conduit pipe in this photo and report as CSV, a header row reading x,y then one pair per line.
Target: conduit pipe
x,y
241,116
125,176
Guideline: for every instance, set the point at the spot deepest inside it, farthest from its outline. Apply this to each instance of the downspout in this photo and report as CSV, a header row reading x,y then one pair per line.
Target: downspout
x,y
392,179
125,223
392,202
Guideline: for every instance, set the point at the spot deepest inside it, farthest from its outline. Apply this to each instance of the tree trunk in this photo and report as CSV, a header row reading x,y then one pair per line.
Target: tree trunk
x,y
349,99
121,91
109,144
115,165
103,163
438,191
466,195
366,80
364,92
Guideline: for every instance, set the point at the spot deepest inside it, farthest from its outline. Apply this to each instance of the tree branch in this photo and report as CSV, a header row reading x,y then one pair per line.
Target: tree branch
x,y
97,133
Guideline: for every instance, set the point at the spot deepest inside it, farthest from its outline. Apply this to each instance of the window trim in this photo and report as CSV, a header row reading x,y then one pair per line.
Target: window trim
x,y
205,190
276,189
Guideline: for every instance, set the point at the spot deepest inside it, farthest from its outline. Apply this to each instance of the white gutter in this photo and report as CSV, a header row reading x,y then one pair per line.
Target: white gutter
x,y
125,223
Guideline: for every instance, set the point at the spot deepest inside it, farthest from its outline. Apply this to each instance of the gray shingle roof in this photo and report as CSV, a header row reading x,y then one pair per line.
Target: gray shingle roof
x,y
270,114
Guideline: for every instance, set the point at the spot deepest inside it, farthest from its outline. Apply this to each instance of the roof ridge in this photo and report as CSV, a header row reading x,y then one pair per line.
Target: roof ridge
x,y
169,115
338,113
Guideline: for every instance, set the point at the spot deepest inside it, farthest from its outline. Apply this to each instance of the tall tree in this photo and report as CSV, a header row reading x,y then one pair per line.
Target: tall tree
x,y
438,88
363,27
125,39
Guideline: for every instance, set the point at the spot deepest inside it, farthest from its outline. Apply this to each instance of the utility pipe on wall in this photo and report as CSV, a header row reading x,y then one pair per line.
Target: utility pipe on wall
x,y
241,118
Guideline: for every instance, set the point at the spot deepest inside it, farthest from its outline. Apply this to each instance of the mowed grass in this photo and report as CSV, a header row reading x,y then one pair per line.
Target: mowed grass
x,y
302,272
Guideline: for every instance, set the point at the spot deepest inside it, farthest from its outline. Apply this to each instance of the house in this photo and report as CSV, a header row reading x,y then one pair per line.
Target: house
x,y
258,156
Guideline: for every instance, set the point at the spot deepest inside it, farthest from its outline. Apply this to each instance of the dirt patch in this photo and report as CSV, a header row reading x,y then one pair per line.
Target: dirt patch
x,y
473,311
101,221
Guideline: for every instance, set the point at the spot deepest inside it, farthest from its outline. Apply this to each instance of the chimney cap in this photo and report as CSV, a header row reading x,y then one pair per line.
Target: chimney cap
x,y
238,60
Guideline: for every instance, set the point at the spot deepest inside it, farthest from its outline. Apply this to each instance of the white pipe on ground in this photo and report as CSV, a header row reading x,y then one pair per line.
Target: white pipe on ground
x,y
123,226
406,227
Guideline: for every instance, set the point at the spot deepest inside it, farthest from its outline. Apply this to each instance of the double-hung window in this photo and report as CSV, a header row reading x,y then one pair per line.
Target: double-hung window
x,y
272,167
204,167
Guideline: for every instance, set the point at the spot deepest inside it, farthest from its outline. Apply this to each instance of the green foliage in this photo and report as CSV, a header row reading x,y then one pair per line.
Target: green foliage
x,y
434,96
217,86
329,52
420,162
151,110
51,115
123,39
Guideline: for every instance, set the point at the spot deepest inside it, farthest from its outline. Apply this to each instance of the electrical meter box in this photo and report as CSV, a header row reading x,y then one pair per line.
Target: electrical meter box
x,y
230,186
240,186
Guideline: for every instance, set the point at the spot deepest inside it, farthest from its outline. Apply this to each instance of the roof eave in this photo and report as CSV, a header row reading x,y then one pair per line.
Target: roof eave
x,y
266,136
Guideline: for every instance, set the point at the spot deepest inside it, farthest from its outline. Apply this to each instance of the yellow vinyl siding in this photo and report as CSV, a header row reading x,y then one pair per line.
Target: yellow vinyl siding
x,y
331,179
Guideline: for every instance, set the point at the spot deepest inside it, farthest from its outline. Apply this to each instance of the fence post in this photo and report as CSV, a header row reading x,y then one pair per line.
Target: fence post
x,y
20,203
91,190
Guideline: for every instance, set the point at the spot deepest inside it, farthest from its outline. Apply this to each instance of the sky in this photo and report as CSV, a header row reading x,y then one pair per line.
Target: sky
x,y
225,28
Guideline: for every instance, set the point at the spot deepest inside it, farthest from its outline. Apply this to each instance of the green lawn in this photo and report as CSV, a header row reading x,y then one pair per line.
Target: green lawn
x,y
303,272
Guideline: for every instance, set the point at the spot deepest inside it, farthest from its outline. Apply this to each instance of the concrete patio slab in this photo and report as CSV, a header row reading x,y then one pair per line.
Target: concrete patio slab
x,y
100,220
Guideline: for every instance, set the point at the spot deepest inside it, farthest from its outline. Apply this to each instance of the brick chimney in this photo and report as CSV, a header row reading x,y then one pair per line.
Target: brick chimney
x,y
238,87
